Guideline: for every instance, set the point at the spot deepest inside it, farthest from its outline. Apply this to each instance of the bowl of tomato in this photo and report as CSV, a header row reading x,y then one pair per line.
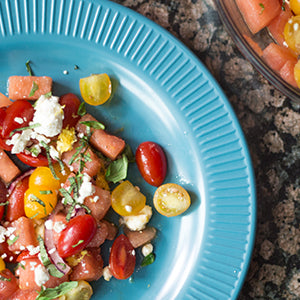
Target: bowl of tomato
x,y
267,32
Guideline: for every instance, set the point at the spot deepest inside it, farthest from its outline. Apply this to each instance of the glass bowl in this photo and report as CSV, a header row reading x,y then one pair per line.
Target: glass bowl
x,y
237,28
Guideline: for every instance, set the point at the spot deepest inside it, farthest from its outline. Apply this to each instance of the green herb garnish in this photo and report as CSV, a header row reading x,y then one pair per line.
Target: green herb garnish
x,y
48,95
34,198
148,260
52,293
117,170
24,128
4,203
79,242
93,124
10,242
262,8
46,192
34,88
28,68
81,109
4,278
47,148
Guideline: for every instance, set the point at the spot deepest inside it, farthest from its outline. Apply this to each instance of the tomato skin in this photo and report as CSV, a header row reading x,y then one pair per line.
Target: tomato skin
x,y
151,162
15,208
3,193
122,258
71,104
10,256
3,144
76,236
39,161
26,255
21,109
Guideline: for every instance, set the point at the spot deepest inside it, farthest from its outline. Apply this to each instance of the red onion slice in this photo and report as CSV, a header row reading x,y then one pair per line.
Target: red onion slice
x,y
52,251
19,179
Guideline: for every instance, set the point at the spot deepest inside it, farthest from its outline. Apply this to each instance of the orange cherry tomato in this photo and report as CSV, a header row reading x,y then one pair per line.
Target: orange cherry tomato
x,y
42,176
295,6
122,258
127,200
292,33
171,199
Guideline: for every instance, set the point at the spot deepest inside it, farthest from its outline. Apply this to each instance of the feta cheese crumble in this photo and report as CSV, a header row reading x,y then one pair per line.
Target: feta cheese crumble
x,y
86,189
41,275
147,249
49,114
139,221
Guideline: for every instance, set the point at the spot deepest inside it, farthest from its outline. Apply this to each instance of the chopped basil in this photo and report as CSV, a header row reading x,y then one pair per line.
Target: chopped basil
x,y
34,88
53,271
34,198
66,195
10,242
4,278
4,203
283,5
128,152
28,68
46,192
24,128
52,293
48,95
93,124
79,242
49,159
148,260
81,109
262,8
117,170
69,214
78,150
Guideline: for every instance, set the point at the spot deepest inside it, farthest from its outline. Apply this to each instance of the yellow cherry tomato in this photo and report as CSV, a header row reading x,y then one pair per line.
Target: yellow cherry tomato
x,y
297,73
95,89
2,264
43,176
171,199
295,6
127,200
62,175
39,201
292,33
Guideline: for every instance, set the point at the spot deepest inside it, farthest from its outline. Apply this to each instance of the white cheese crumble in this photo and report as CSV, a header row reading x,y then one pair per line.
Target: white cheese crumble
x,y
128,208
49,224
19,141
107,274
59,226
18,120
139,221
2,234
41,275
49,114
86,189
33,250
147,249
53,152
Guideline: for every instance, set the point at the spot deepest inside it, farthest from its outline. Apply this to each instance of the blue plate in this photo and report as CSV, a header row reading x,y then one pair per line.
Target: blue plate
x,y
161,93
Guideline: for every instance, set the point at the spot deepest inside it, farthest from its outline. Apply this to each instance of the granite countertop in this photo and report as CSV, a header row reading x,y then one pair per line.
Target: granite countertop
x,y
271,124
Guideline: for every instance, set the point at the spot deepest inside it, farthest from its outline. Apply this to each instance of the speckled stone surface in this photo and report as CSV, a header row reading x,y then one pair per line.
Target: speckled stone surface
x,y
271,125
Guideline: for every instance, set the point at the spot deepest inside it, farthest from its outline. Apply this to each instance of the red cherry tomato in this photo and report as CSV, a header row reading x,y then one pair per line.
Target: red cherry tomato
x,y
3,144
3,192
18,109
15,208
151,162
39,161
75,237
122,258
26,255
71,104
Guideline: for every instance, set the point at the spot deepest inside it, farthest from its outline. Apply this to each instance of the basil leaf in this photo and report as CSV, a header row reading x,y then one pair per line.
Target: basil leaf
x,y
34,198
117,170
28,68
10,242
24,128
34,88
46,192
53,271
128,152
4,203
148,260
79,242
93,124
81,109
52,293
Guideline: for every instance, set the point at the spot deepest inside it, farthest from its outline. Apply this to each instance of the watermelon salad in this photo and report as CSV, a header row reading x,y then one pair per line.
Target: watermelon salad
x,y
282,20
54,213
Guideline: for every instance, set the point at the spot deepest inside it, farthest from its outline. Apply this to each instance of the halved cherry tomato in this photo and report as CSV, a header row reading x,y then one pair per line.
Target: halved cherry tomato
x,y
3,144
171,199
2,264
15,208
42,176
292,33
28,159
127,200
18,109
122,258
95,89
75,237
25,254
71,104
295,6
151,162
3,193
